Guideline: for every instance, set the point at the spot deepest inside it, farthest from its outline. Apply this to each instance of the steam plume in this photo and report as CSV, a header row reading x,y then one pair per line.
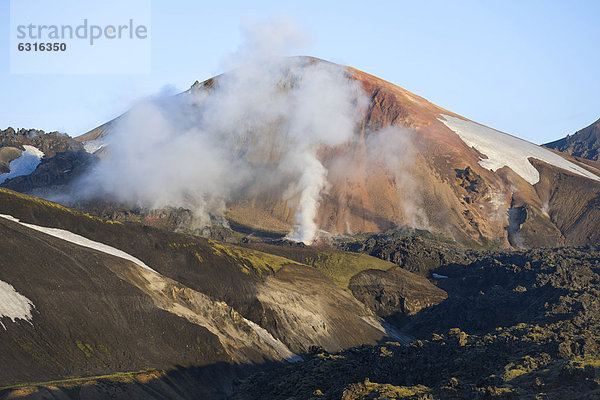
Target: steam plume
x,y
260,125
394,150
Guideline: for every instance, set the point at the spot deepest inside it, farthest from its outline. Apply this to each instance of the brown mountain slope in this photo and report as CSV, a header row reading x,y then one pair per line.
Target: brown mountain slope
x,y
572,203
435,170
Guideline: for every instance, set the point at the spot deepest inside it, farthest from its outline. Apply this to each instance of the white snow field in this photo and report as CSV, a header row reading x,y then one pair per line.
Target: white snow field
x,y
13,304
24,165
80,240
504,150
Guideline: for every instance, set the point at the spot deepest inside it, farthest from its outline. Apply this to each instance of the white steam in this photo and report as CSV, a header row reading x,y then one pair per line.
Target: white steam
x,y
312,182
261,125
393,149
329,121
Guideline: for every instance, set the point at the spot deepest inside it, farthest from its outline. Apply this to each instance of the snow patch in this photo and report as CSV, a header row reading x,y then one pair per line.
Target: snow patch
x,y
504,150
81,241
13,304
276,344
438,276
30,158
92,146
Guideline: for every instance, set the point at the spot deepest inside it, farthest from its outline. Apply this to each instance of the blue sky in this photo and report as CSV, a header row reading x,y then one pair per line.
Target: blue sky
x,y
529,68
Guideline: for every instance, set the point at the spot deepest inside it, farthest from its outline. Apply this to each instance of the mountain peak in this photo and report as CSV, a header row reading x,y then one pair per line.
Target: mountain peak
x,y
327,153
584,143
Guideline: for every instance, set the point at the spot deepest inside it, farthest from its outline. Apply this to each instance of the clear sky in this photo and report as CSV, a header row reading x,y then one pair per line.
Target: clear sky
x,y
529,68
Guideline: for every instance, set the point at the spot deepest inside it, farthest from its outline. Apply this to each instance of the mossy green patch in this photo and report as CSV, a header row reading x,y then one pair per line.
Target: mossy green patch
x,y
342,266
387,391
31,202
339,266
28,347
583,362
73,382
104,350
512,373
85,348
249,260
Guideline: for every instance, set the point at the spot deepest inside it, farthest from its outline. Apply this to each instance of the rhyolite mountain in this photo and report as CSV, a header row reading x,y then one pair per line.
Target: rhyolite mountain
x,y
470,182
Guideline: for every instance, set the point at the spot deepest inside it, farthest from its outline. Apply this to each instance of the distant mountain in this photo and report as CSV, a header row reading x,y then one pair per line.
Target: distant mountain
x,y
584,143
39,162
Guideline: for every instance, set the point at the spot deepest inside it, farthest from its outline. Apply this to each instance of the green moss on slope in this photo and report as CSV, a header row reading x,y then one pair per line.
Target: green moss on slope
x,y
250,260
339,266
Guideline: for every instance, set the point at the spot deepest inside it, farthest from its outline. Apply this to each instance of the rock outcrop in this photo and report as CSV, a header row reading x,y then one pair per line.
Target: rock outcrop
x,y
584,143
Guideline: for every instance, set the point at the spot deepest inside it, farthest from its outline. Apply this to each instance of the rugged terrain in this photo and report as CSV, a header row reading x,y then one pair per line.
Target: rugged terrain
x,y
452,261
487,324
165,300
518,325
583,143
64,159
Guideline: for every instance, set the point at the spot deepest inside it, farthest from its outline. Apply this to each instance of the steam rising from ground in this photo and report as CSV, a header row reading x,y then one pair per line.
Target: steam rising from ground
x,y
393,149
258,128
209,145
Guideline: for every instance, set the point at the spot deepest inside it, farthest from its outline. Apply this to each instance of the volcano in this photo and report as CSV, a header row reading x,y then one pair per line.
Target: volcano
x,y
430,169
